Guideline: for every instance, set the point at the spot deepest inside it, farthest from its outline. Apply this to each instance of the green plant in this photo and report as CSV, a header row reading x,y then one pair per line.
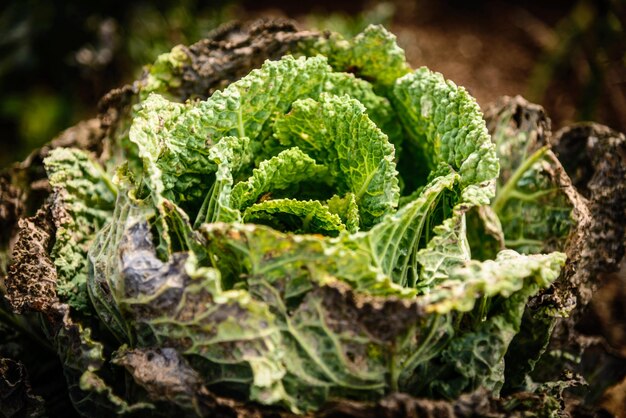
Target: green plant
x,y
333,225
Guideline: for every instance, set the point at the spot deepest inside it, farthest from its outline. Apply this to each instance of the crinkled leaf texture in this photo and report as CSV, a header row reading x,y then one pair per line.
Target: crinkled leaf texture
x,y
337,132
257,244
297,336
535,200
372,55
85,198
301,279
539,210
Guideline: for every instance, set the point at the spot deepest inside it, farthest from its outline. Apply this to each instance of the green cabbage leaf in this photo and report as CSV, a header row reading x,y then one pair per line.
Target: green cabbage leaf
x,y
312,232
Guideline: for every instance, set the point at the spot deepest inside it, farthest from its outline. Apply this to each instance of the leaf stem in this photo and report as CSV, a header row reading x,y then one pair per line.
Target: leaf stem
x,y
522,241
529,197
503,195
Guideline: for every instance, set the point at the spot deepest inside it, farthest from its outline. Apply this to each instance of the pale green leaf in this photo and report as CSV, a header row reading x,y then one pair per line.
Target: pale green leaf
x,y
372,55
230,155
475,356
395,241
300,216
446,124
378,107
450,247
336,132
502,276
347,209
165,75
278,173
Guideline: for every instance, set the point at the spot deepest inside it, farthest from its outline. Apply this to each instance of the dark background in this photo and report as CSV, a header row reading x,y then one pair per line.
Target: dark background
x,y
58,58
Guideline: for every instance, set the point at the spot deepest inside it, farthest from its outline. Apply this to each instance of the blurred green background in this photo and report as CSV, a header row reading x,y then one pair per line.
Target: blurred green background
x,y
58,58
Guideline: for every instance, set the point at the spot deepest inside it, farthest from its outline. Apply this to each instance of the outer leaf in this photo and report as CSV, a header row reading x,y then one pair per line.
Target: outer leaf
x,y
336,131
331,339
104,284
535,210
167,376
535,198
84,202
503,276
329,349
90,384
176,304
79,352
101,399
257,250
475,356
550,215
450,247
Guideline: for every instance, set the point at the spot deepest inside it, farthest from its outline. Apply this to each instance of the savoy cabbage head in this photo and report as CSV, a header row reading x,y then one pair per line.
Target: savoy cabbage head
x,y
331,225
